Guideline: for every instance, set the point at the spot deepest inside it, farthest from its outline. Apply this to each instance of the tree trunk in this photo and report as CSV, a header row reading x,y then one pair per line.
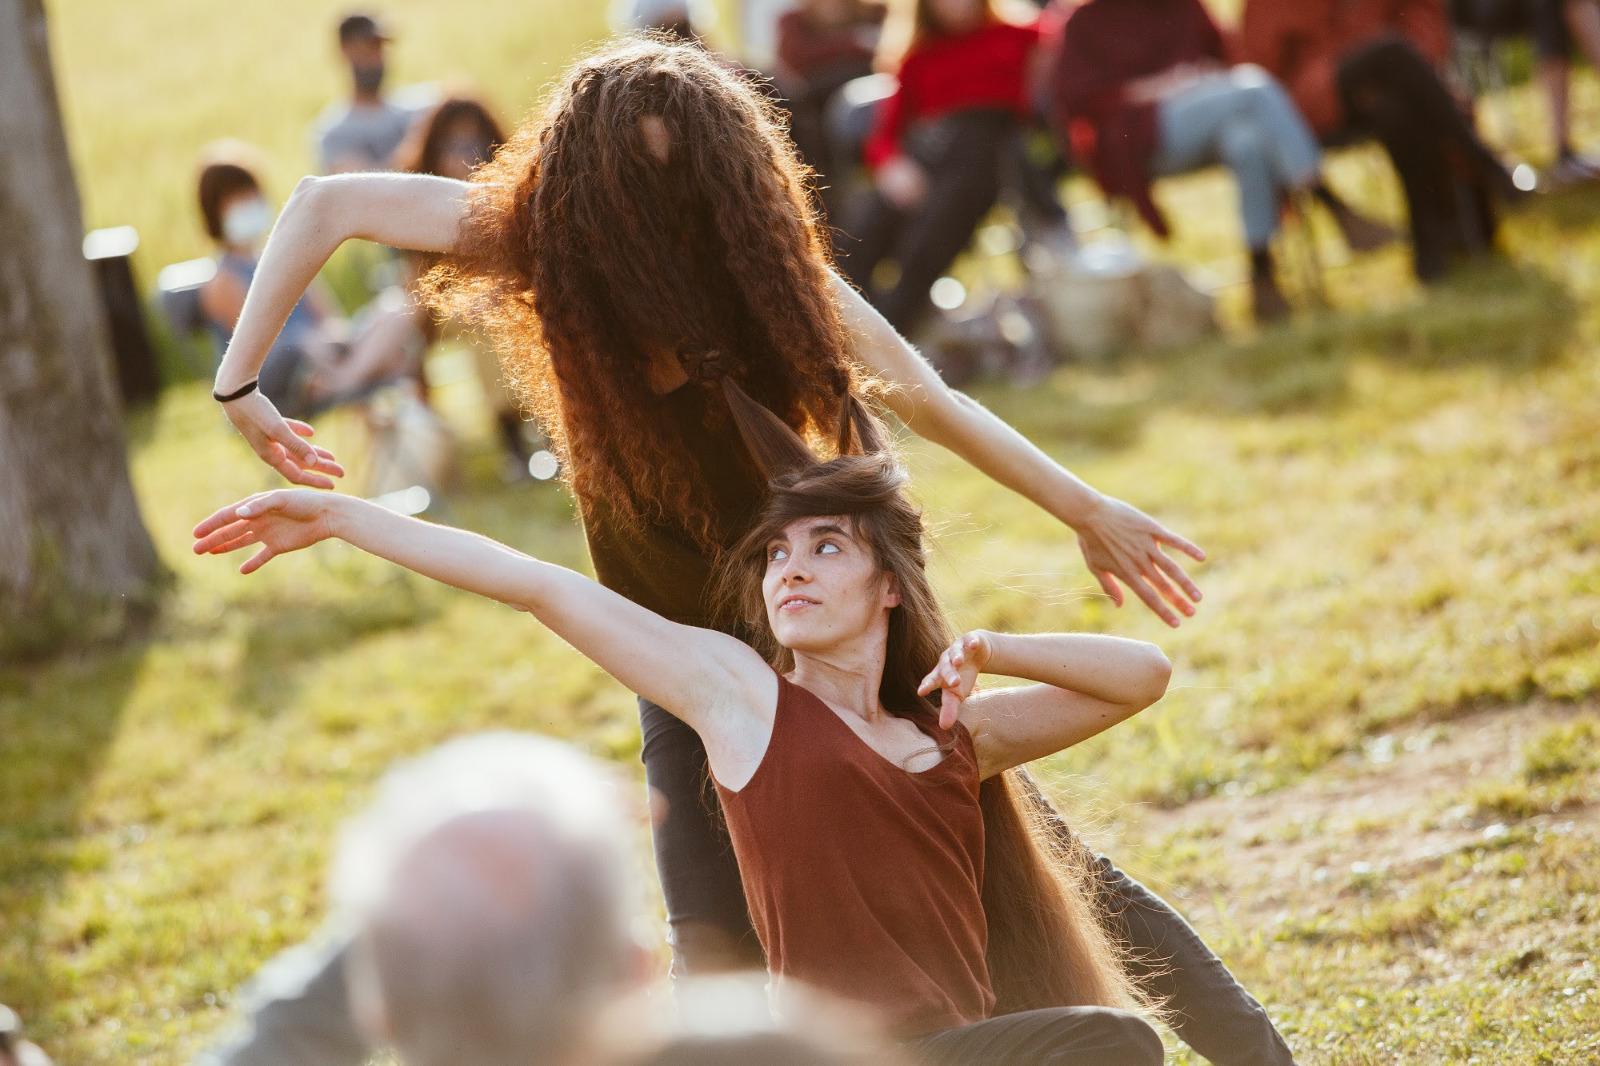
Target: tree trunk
x,y
74,553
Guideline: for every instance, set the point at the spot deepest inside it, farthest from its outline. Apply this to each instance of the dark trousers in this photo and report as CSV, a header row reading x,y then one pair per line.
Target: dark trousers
x,y
1057,1036
711,928
1448,174
964,155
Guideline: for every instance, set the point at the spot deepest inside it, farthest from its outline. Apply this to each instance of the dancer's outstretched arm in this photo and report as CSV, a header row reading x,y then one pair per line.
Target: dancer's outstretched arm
x,y
1119,541
1088,683
417,212
716,684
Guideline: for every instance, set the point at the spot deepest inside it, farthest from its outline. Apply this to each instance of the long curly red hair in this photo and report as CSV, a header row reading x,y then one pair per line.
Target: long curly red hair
x,y
586,253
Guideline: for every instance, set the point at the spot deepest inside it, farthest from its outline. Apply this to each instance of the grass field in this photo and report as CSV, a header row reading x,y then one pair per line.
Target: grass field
x,y
1372,784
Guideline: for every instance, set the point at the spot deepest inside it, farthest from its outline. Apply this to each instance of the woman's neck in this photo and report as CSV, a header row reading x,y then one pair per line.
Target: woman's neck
x,y
848,679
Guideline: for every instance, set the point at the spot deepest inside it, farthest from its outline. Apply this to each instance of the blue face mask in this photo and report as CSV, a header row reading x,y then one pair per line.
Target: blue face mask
x,y
368,78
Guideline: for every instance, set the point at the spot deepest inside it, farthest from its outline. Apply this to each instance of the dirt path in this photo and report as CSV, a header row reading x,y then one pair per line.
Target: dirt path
x,y
1392,811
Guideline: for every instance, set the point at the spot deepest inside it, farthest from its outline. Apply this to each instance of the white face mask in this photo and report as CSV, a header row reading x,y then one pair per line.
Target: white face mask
x,y
244,222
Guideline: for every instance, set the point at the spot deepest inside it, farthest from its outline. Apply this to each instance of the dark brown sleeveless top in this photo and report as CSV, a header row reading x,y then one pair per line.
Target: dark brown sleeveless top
x,y
659,565
864,879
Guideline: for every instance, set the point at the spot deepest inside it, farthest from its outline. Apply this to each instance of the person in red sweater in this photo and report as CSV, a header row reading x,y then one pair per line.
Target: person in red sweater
x,y
1144,88
937,147
1369,68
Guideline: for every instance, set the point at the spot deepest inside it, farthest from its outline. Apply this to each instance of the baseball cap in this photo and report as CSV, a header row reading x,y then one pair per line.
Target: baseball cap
x,y
359,27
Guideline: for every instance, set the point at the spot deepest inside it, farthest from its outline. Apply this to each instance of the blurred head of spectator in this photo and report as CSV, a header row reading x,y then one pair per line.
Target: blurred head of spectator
x,y
362,41
684,19
233,208
492,902
452,139
15,1051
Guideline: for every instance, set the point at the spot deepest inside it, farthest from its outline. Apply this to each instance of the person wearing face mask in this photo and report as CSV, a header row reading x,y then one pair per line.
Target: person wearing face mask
x,y
363,132
319,359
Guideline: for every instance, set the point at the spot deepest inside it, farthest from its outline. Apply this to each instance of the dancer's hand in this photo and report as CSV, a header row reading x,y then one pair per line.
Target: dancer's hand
x,y
281,443
1122,543
281,521
957,674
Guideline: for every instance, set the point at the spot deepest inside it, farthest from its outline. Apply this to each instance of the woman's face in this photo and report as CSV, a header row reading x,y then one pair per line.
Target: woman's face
x,y
462,147
957,16
822,586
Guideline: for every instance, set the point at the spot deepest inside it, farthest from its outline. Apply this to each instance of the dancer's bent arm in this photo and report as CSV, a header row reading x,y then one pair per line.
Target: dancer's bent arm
x,y
1088,683
1119,542
716,684
415,212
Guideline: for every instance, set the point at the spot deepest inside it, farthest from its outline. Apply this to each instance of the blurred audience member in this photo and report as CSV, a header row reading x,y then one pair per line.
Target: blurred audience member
x,y
1370,68
484,913
15,1051
363,132
1146,90
450,141
938,146
1554,26
821,46
492,901
687,20
317,359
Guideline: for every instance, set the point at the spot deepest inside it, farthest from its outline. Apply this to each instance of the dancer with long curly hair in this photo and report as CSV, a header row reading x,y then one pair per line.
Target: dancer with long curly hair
x,y
646,236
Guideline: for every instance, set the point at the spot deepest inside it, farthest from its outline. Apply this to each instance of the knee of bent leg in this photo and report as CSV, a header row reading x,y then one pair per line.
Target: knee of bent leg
x,y
1243,144
1128,1039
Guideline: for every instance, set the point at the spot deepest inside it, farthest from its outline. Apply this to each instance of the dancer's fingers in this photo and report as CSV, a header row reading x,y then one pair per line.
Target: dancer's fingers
x,y
258,560
301,429
1142,589
222,516
220,536
1109,584
1170,567
1183,544
242,541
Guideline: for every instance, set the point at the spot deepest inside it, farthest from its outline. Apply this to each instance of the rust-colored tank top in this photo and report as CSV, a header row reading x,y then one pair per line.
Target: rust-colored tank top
x,y
864,879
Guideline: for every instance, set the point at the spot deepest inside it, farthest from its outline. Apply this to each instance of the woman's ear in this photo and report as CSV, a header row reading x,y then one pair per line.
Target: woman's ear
x,y
891,590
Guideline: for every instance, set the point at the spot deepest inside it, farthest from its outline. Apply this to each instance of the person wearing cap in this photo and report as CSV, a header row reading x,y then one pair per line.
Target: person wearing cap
x,y
363,132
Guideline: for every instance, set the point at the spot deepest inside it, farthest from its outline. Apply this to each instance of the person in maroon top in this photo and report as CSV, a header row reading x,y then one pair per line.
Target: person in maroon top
x,y
1144,88
871,794
937,147
822,45
1371,68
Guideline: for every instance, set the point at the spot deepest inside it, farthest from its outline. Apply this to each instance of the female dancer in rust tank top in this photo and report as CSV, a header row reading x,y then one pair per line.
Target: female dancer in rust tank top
x,y
888,857
652,216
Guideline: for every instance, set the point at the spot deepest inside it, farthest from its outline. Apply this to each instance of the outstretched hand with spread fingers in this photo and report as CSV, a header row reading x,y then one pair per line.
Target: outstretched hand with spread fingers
x,y
1122,543
957,674
281,521
281,442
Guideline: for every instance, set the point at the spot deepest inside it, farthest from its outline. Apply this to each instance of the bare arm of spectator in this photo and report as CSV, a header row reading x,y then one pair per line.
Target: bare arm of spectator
x,y
415,212
1119,542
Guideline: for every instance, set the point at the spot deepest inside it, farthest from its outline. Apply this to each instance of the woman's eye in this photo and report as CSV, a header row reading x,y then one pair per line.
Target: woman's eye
x,y
827,546
776,555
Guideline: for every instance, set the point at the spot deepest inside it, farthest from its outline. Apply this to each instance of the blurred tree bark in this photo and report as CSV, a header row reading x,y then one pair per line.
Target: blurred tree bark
x,y
75,559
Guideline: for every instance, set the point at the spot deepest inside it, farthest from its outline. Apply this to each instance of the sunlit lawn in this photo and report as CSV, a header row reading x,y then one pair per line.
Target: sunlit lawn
x,y
1401,500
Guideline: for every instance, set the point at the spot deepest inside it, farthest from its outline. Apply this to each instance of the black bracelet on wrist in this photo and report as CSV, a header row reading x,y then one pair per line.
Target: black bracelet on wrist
x,y
239,393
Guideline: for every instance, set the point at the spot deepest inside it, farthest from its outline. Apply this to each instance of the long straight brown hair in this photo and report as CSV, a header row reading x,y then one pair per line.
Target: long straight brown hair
x,y
1049,943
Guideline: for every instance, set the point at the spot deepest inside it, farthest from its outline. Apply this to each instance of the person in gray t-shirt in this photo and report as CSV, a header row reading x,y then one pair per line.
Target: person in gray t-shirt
x,y
363,132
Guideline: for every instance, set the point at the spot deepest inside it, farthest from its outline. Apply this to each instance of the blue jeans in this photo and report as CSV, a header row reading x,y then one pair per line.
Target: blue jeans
x,y
301,1014
1244,120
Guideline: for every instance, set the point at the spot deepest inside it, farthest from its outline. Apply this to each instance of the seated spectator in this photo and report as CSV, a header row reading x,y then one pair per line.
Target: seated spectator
x,y
1146,90
822,45
362,132
1554,26
490,903
1371,69
451,140
317,359
937,148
